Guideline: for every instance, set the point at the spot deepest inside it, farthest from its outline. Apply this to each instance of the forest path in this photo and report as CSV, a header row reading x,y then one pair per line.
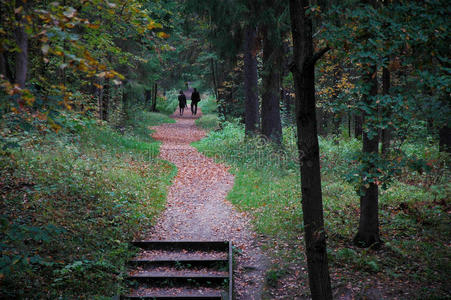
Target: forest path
x,y
197,208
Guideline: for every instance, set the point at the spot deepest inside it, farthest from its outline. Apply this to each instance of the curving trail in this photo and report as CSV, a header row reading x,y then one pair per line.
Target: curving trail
x,y
197,209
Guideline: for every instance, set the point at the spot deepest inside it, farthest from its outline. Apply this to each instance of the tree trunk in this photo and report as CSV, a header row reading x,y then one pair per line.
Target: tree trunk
x,y
148,97
349,124
105,100
272,58
368,233
386,90
154,101
213,75
320,113
21,64
358,128
445,139
250,80
125,97
312,205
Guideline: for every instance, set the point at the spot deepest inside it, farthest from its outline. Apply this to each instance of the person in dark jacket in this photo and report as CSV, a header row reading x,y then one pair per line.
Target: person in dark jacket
x,y
182,102
195,98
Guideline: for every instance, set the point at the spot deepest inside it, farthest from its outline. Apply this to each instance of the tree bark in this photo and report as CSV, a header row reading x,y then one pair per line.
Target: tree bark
x,y
105,100
250,80
321,126
368,232
272,59
445,139
148,97
213,75
312,205
349,124
100,101
358,128
154,101
385,137
21,64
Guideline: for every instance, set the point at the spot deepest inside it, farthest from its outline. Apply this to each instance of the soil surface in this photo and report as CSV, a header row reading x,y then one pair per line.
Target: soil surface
x,y
197,208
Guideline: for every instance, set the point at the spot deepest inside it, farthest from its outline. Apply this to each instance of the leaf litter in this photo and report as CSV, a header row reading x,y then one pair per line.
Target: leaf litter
x,y
197,208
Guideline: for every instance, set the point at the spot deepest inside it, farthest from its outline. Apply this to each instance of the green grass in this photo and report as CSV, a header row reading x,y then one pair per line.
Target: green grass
x,y
209,122
72,201
414,221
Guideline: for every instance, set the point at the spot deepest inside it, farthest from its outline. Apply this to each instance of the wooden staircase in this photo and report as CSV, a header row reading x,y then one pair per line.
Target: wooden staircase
x,y
181,270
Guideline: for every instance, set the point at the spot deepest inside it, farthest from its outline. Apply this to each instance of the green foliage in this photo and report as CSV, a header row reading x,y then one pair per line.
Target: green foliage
x,y
72,202
168,104
208,104
209,122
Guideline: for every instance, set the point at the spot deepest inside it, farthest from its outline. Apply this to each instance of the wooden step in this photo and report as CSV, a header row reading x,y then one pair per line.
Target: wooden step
x,y
182,275
176,259
181,296
188,245
183,259
176,293
178,297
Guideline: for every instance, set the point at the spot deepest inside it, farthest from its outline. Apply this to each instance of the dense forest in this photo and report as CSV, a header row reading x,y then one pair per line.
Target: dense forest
x,y
334,118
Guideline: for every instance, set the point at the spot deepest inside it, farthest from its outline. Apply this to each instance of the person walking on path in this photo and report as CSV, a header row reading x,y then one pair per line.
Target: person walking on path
x,y
195,98
182,102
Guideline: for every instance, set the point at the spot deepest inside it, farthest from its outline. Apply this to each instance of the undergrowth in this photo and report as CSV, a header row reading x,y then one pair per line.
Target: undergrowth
x,y
169,103
209,119
414,221
72,201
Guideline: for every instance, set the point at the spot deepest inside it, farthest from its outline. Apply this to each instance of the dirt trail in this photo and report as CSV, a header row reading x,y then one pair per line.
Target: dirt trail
x,y
197,209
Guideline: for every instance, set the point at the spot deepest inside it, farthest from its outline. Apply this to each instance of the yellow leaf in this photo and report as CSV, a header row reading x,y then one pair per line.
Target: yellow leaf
x,y
162,35
93,26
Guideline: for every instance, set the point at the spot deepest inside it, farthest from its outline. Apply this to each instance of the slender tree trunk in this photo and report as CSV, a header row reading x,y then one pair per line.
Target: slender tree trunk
x,y
100,101
21,64
336,122
272,59
358,126
386,90
148,97
445,139
312,205
125,97
321,123
250,80
349,124
368,233
213,75
154,103
105,100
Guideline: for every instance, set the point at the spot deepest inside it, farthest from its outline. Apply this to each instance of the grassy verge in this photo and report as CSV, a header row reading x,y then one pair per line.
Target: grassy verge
x,y
209,119
71,202
413,215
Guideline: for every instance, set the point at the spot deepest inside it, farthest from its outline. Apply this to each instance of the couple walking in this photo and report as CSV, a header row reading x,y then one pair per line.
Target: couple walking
x,y
195,98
